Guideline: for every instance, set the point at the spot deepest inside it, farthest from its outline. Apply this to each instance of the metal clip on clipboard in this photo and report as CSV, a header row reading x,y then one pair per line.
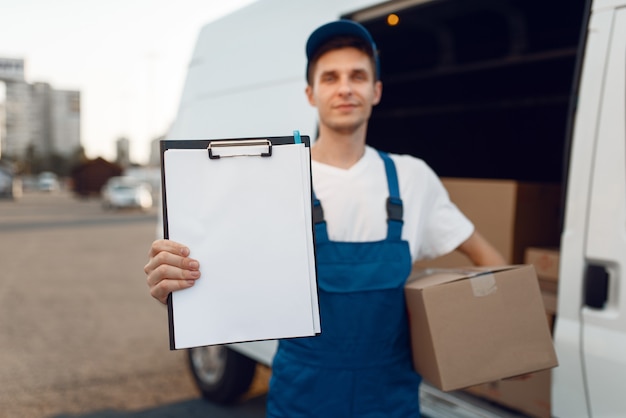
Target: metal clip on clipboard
x,y
254,147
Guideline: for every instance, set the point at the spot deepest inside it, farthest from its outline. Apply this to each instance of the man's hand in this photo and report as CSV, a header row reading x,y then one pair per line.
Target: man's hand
x,y
169,269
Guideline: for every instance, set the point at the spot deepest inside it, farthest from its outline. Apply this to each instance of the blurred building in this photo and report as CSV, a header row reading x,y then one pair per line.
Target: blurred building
x,y
37,118
122,147
154,160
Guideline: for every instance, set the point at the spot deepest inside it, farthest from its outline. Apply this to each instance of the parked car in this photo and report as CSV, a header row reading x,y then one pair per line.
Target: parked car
x,y
123,192
47,181
10,183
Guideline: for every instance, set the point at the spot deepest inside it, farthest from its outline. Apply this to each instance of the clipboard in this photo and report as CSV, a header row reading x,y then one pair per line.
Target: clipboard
x,y
243,206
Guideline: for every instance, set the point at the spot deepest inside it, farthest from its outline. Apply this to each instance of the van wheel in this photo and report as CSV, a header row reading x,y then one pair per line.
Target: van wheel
x,y
221,374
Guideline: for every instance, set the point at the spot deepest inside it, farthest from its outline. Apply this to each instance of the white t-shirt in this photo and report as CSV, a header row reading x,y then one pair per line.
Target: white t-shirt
x,y
354,204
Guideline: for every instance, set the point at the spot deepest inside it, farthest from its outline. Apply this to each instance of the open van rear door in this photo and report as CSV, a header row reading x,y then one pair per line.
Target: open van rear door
x,y
603,312
569,394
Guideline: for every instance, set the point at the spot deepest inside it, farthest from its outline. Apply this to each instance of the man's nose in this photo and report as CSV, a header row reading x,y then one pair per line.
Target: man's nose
x,y
345,86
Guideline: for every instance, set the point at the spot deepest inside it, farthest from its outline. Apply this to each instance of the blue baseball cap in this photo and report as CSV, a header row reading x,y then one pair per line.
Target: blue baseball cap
x,y
343,27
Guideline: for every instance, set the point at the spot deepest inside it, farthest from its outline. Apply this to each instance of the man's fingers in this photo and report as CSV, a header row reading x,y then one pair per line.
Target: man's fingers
x,y
168,272
166,245
165,287
171,259
169,269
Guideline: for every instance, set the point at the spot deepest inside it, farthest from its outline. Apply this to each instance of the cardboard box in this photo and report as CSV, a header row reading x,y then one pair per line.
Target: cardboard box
x,y
546,262
511,215
477,325
550,317
530,394
549,286
549,302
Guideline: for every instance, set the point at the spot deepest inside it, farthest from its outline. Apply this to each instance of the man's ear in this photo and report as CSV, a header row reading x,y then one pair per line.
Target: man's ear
x,y
309,95
378,92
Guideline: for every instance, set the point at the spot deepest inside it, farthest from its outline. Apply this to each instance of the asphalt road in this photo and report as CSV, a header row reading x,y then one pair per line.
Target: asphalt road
x,y
79,334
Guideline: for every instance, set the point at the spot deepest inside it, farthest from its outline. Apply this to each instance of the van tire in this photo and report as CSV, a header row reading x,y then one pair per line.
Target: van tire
x,y
221,374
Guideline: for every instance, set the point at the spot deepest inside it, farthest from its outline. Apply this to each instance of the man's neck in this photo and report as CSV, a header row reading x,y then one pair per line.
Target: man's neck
x,y
339,150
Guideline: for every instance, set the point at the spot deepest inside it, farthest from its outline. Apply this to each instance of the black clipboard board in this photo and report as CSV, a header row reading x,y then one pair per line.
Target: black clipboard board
x,y
242,150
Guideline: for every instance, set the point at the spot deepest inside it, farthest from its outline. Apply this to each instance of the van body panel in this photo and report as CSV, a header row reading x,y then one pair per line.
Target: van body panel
x,y
604,328
264,80
600,5
261,351
568,391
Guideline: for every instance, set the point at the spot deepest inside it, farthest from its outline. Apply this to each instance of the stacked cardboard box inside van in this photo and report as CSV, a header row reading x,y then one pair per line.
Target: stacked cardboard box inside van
x,y
511,215
522,221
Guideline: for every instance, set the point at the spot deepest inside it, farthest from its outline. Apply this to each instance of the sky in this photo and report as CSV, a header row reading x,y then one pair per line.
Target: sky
x,y
128,58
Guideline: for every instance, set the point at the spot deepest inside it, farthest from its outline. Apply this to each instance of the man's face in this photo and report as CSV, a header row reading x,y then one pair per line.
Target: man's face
x,y
344,90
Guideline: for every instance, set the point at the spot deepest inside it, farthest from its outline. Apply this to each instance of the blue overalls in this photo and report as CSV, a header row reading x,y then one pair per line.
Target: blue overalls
x,y
360,365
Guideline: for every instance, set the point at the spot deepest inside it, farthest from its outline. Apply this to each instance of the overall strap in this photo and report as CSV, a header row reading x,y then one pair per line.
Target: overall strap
x,y
394,203
319,223
394,206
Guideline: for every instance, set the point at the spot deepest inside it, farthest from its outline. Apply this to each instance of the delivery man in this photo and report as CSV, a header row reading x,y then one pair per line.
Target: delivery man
x,y
375,214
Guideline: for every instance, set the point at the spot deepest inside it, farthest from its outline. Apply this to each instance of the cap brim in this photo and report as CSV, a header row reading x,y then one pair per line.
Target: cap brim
x,y
333,30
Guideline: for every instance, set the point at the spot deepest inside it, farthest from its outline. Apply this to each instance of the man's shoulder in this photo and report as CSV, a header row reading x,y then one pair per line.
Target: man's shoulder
x,y
407,162
404,159
410,167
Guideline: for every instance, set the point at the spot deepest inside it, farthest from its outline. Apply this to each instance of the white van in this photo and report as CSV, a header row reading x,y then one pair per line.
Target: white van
x,y
528,90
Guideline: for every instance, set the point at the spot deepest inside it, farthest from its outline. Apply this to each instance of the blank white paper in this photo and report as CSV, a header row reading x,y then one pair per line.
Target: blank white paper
x,y
247,220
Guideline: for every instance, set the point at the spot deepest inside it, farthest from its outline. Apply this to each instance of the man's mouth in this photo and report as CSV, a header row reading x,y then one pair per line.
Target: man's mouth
x,y
345,106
